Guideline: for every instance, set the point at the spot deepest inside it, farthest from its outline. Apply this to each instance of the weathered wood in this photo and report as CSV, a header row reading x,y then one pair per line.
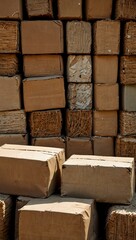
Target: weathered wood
x,y
127,123
70,9
13,122
46,123
39,8
130,38
13,139
9,64
125,146
128,70
125,9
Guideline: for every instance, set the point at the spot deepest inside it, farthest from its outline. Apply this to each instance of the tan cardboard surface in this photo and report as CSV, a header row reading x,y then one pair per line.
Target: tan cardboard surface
x,y
106,179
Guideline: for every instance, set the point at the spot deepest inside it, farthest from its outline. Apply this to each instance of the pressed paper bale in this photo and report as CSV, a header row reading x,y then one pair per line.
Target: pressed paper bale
x,y
130,38
39,8
128,70
127,123
106,179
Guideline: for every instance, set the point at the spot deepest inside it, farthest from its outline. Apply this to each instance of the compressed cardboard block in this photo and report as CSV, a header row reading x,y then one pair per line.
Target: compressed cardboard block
x,y
128,97
106,37
127,123
125,10
130,38
13,122
106,96
79,69
35,39
76,218
97,9
9,64
9,37
105,123
6,208
128,70
43,93
45,123
36,171
125,146
56,142
14,139
105,69
79,96
10,93
121,221
78,37
78,123
70,9
106,179
11,9
103,146
39,8
81,146
42,65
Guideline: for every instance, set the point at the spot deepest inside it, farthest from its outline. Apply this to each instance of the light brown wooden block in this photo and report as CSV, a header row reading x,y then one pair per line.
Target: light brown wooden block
x,y
105,123
45,123
13,122
80,96
9,64
127,123
103,146
78,37
11,9
13,139
128,70
78,123
39,8
107,37
70,9
9,37
96,9
55,142
125,9
130,38
79,69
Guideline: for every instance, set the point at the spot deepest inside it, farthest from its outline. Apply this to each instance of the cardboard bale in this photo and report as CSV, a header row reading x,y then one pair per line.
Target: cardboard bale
x,y
127,123
9,37
105,69
79,69
103,99
126,146
125,10
9,64
106,179
70,9
79,96
58,217
106,37
6,205
11,9
10,93
78,123
128,97
128,70
14,139
130,38
56,142
96,9
43,93
26,163
121,221
81,146
13,122
103,146
35,39
105,123
42,65
45,123
78,37
39,8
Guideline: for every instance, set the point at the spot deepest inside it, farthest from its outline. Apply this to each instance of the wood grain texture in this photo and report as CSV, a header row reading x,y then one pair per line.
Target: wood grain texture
x,y
39,8
130,38
125,146
125,10
9,64
127,123
128,70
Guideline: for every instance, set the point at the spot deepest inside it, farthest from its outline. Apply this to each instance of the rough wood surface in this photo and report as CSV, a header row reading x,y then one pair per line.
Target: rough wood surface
x,y
46,123
127,123
21,139
39,8
125,9
70,9
78,123
13,122
107,37
80,96
121,222
9,37
125,146
78,37
8,64
128,70
130,38
79,69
